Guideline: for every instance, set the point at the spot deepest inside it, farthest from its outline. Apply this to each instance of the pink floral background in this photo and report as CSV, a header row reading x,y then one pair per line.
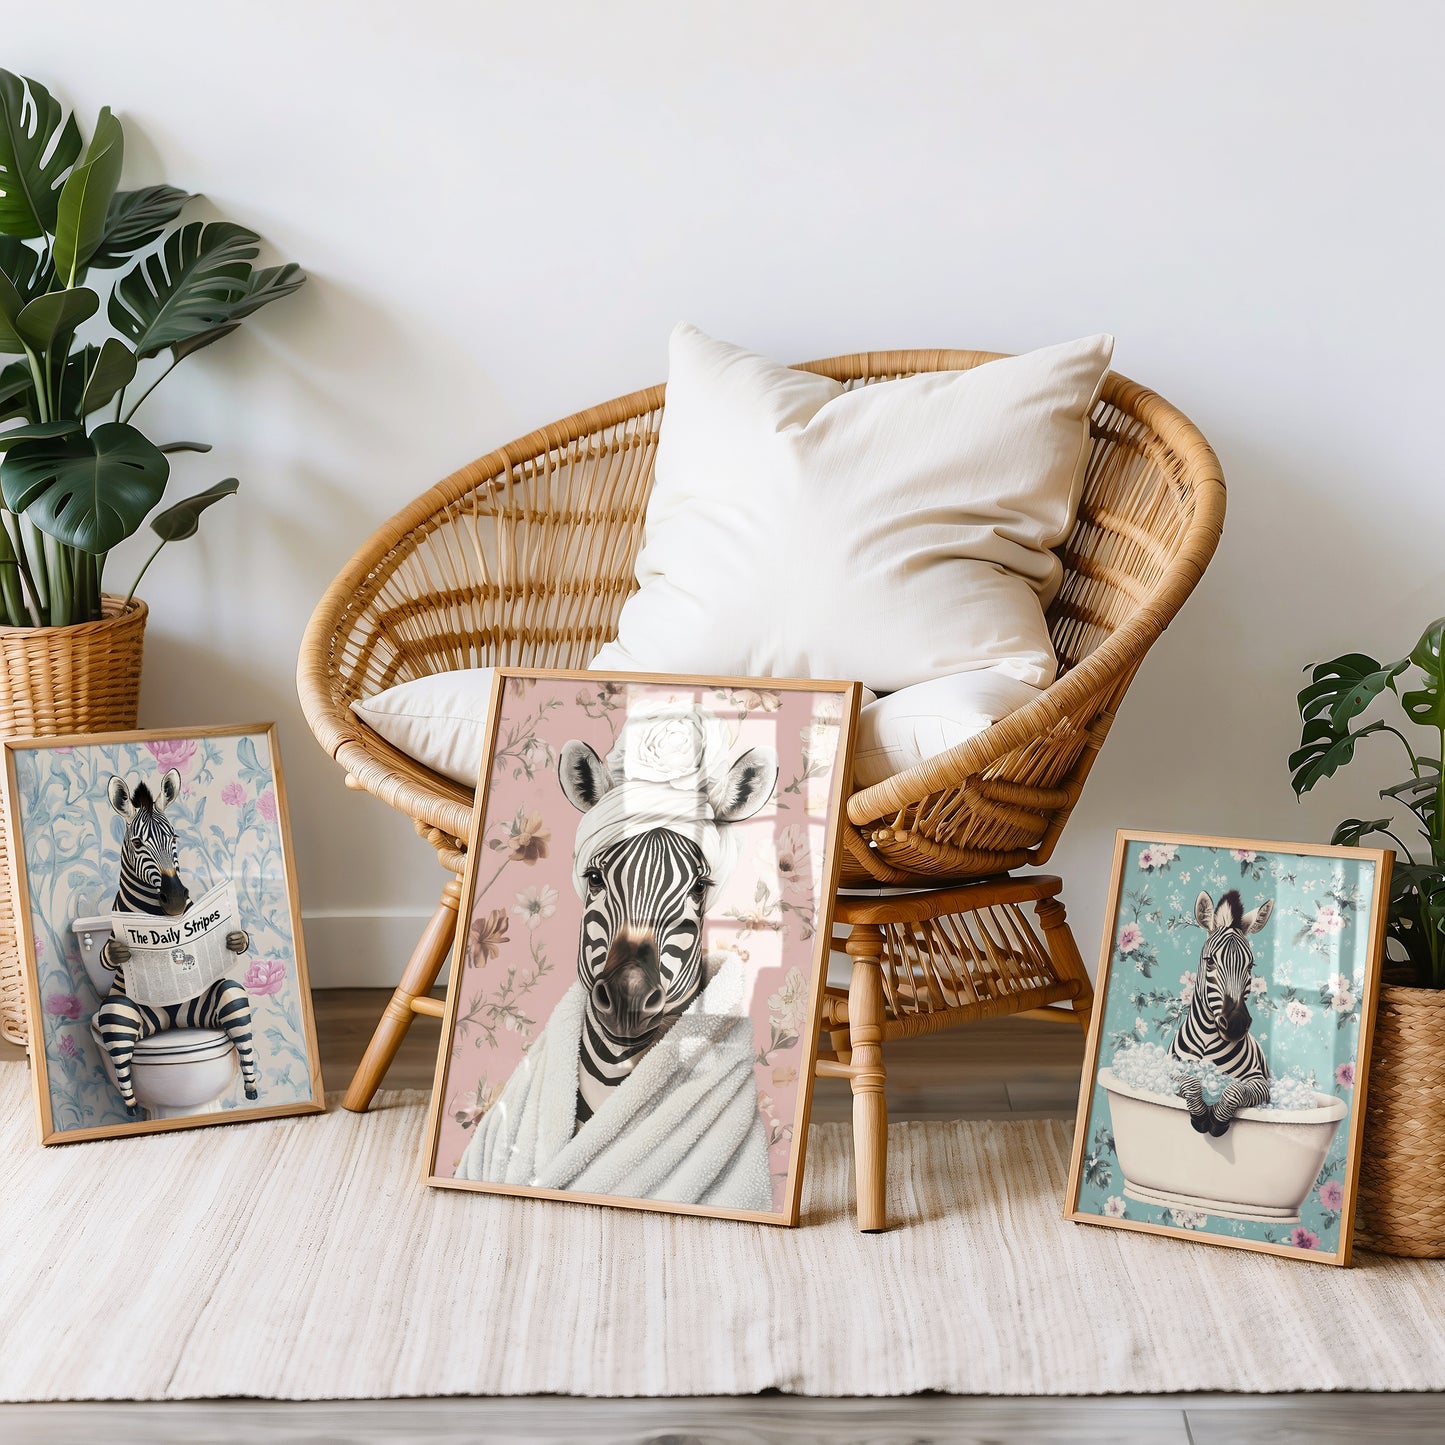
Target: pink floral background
x,y
522,931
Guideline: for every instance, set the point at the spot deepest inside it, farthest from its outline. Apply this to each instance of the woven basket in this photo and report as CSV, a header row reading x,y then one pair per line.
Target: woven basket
x,y
1402,1173
57,680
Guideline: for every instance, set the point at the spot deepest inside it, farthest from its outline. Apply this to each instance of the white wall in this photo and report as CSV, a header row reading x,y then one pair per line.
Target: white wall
x,y
504,208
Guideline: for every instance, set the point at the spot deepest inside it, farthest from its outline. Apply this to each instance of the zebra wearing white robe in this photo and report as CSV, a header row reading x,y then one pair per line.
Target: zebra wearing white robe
x,y
1216,1027
150,882
640,954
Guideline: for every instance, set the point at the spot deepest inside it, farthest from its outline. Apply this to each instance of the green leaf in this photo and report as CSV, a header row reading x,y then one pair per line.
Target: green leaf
x,y
49,322
85,198
186,447
1345,687
88,492
37,431
113,369
12,303
1322,752
28,269
1348,833
183,520
17,392
134,219
1426,705
186,289
38,146
262,287
183,349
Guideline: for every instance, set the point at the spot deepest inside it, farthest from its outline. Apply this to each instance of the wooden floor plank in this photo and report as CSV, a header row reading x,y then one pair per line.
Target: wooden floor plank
x,y
1321,1420
765,1420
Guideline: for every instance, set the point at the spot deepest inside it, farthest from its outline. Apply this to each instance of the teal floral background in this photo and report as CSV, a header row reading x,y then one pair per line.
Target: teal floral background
x,y
1309,971
227,824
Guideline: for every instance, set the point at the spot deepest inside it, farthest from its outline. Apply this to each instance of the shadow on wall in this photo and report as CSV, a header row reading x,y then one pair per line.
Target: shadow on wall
x,y
1201,740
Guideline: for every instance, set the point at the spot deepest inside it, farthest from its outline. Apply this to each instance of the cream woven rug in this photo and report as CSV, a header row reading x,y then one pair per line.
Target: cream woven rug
x,y
301,1259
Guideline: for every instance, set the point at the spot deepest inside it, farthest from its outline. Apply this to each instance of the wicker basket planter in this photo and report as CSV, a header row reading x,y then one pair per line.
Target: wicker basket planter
x,y
57,680
1402,1174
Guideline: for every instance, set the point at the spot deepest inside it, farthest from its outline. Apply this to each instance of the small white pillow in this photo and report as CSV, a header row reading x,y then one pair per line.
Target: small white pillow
x,y
895,533
917,723
440,720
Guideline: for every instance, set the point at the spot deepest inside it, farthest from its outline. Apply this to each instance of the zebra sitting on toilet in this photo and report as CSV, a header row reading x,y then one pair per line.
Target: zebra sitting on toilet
x,y
150,882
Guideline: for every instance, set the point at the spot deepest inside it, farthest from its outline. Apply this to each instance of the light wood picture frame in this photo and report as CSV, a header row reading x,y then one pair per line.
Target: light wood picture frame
x,y
1263,960
642,948
84,812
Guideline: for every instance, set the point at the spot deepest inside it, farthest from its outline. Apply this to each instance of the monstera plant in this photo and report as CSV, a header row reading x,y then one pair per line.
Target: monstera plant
x,y
78,475
1331,708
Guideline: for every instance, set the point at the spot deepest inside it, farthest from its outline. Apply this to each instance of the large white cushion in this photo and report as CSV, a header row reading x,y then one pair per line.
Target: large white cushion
x,y
440,720
896,533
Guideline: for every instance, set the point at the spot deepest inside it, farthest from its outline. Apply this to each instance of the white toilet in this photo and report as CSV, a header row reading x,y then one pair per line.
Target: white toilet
x,y
175,1074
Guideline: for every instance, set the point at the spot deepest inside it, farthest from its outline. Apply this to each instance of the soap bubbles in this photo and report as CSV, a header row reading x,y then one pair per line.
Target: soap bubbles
x,y
1150,1067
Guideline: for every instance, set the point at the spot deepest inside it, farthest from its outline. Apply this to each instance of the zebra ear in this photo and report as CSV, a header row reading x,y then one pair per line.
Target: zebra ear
x,y
170,789
1256,918
583,775
748,785
119,795
1204,912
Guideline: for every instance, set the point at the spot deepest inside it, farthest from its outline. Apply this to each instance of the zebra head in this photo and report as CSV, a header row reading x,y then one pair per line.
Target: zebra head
x,y
1227,961
645,891
149,856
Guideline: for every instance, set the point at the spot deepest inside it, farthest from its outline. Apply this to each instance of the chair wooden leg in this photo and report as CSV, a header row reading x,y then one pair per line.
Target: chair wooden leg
x,y
417,981
868,1075
1064,952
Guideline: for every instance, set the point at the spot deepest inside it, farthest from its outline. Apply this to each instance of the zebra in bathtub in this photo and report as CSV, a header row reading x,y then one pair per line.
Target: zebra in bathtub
x,y
1215,1028
649,855
150,882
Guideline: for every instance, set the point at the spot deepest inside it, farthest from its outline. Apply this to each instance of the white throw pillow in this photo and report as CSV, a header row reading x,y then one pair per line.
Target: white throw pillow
x,y
440,721
917,723
894,533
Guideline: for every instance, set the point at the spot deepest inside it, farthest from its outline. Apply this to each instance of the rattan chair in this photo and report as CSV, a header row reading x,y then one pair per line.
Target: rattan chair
x,y
526,556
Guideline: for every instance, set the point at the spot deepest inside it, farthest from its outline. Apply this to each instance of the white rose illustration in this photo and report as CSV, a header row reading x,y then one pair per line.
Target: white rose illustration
x,y
670,742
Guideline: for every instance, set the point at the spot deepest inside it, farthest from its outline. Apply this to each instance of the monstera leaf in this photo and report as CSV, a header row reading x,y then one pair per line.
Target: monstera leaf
x,y
1426,704
36,431
48,322
133,220
85,198
1345,687
90,492
38,146
183,520
112,368
17,392
262,287
186,289
28,270
1323,751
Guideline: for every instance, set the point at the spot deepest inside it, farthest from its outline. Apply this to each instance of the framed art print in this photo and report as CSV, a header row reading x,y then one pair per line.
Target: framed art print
x,y
155,902
633,1010
1223,1093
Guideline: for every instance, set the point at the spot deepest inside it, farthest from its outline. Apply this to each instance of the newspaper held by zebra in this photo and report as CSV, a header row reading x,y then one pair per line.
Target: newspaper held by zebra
x,y
172,960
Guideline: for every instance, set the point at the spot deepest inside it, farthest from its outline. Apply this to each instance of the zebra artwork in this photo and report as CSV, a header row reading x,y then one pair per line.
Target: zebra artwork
x,y
653,856
150,882
1215,1028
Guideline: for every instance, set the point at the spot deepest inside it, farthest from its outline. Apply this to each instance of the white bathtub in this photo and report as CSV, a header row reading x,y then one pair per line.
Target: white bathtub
x,y
1263,1168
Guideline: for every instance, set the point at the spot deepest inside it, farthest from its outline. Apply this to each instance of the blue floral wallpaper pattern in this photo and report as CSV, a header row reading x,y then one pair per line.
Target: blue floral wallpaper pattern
x,y
227,826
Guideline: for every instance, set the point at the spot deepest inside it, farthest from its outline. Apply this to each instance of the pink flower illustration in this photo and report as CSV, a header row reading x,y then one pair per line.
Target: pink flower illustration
x,y
234,794
265,975
1130,937
1332,1194
68,1048
173,752
1345,1076
266,804
63,1006
1303,1238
